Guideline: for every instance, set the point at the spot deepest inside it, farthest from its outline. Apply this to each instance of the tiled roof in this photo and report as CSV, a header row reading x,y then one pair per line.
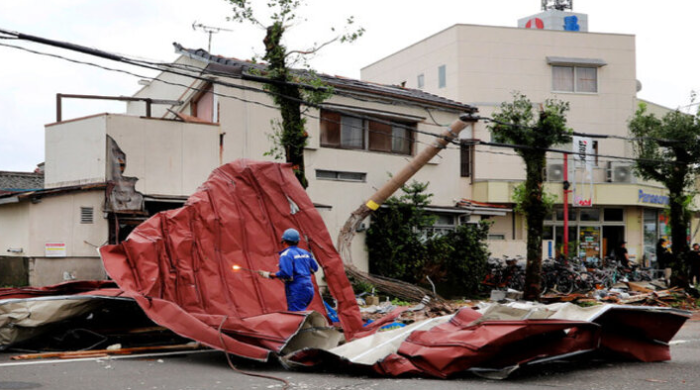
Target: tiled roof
x,y
240,69
21,181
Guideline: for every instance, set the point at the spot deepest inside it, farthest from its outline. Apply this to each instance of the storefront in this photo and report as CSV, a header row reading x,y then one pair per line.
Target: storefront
x,y
594,232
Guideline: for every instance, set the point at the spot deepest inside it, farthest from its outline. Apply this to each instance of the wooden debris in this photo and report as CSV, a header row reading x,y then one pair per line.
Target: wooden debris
x,y
106,352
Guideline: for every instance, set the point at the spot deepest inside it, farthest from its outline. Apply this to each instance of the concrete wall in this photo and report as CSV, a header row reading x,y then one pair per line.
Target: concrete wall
x,y
52,220
45,271
168,157
56,219
14,229
75,152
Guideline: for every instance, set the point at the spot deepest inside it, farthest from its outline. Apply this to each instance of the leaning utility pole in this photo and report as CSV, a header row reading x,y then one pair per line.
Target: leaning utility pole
x,y
347,233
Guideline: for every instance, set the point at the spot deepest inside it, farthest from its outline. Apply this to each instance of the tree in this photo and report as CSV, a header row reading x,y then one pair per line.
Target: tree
x,y
401,247
290,88
668,151
396,241
516,124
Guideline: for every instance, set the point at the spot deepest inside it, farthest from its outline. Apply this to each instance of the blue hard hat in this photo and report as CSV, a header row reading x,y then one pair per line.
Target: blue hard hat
x,y
290,235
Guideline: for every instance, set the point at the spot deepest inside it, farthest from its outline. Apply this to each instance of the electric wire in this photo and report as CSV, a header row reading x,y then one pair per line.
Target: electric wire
x,y
413,129
234,368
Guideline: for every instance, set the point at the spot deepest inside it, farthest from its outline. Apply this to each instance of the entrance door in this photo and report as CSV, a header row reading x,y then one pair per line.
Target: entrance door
x,y
612,238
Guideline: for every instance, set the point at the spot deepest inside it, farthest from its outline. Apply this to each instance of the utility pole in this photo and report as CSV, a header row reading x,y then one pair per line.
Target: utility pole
x,y
209,30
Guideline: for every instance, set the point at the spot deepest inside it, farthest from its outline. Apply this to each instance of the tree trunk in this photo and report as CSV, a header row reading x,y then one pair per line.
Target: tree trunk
x,y
535,162
288,98
679,238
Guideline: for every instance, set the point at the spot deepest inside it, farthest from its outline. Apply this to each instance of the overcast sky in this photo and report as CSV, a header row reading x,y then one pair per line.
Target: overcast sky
x,y
667,54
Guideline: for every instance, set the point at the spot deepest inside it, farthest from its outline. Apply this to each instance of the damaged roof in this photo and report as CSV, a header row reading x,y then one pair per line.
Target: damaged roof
x,y
15,197
241,69
20,181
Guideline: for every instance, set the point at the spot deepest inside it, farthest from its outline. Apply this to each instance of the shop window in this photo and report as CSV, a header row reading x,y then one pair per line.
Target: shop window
x,y
560,214
548,233
589,215
349,132
575,79
613,215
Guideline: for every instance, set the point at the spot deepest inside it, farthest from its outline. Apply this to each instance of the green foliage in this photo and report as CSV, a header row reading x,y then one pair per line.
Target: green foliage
x,y
466,265
360,286
289,88
668,151
400,246
395,239
519,194
398,302
517,124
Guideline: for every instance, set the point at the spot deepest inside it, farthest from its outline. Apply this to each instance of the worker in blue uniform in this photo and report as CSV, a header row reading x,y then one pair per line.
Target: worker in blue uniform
x,y
296,267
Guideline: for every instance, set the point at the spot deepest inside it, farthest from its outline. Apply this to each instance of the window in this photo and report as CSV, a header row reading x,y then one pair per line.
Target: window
x,y
442,76
497,237
86,214
588,215
465,159
421,81
560,214
575,79
382,135
444,223
613,215
340,175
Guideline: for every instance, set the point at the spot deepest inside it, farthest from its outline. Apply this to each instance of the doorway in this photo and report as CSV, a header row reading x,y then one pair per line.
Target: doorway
x,y
613,236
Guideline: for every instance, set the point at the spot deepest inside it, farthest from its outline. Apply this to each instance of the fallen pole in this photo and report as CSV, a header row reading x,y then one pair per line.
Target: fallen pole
x,y
347,233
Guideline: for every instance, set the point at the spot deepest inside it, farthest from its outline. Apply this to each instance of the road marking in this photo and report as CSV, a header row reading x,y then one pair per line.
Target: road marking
x,y
112,357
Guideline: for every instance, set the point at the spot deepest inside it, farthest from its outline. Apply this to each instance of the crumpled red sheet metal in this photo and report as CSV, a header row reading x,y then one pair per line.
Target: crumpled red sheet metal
x,y
78,287
178,264
469,341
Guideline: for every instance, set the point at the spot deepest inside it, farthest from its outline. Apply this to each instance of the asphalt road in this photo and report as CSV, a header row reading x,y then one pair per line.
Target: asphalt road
x,y
209,370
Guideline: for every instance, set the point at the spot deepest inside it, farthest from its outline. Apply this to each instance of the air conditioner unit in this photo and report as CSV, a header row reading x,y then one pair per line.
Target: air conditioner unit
x,y
555,172
620,172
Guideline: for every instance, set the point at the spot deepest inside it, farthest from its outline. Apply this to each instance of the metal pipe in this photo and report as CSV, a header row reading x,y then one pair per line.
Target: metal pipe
x,y
148,101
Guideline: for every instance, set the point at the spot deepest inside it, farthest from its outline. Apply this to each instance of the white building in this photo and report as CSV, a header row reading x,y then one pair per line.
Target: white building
x,y
107,173
595,72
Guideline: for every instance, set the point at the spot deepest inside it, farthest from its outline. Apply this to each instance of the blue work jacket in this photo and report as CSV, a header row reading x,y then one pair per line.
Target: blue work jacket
x,y
296,266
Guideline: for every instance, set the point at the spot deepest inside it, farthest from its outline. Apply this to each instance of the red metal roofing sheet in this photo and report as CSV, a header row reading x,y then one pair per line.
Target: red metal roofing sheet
x,y
178,264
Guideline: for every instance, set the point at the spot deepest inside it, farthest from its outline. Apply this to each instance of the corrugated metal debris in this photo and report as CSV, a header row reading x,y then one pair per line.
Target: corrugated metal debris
x,y
178,268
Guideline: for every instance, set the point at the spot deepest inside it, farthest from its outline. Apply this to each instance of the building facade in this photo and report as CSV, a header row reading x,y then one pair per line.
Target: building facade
x,y
550,56
123,168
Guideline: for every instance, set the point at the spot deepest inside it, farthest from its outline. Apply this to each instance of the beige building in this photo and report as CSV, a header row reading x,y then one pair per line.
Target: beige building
x,y
594,72
122,168
107,173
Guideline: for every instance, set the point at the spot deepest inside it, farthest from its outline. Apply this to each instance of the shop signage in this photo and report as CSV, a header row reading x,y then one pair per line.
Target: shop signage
x,y
651,198
583,163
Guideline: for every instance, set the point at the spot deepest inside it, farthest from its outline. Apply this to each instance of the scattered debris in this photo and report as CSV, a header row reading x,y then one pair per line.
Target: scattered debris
x,y
176,266
111,350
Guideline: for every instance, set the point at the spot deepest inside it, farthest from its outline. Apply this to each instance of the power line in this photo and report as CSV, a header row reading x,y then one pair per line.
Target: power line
x,y
119,58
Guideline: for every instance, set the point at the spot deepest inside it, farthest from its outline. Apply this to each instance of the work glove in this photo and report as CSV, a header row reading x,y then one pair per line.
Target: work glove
x,y
264,274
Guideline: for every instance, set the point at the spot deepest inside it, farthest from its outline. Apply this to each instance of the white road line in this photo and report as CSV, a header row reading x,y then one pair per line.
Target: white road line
x,y
112,357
